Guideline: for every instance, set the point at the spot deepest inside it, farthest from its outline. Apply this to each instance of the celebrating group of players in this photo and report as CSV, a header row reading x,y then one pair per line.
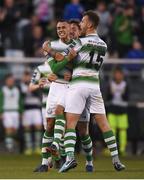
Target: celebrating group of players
x,y
71,75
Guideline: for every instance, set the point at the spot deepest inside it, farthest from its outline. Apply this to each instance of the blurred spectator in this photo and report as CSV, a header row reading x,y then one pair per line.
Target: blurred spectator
x,y
116,7
44,10
124,31
140,30
31,116
10,107
50,31
9,16
117,111
136,52
27,35
73,10
38,40
105,20
33,38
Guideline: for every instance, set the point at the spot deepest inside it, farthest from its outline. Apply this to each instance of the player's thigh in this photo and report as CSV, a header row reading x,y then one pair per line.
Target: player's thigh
x,y
37,117
112,118
51,106
96,103
62,98
71,120
123,121
7,120
102,122
27,118
75,100
57,92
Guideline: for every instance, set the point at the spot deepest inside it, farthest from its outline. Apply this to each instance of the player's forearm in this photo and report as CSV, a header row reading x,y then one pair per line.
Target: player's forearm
x,y
33,87
57,66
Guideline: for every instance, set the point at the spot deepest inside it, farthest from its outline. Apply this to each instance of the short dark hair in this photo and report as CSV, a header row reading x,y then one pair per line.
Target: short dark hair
x,y
7,76
75,21
118,69
93,17
62,20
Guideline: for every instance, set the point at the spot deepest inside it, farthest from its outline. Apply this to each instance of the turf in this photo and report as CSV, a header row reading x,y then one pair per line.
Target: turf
x,y
20,166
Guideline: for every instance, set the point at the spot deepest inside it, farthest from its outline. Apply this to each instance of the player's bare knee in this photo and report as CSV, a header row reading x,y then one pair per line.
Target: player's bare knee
x,y
59,110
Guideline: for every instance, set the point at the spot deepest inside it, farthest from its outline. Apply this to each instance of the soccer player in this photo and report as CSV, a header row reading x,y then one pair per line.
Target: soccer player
x,y
31,116
85,89
117,111
61,81
60,119
10,109
41,80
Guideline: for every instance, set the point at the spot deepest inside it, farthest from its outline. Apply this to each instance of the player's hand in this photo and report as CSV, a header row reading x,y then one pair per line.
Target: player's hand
x,y
46,46
72,54
67,76
52,77
58,56
42,82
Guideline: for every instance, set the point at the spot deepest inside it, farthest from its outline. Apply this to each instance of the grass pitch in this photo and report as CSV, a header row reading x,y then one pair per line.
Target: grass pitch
x,y
20,166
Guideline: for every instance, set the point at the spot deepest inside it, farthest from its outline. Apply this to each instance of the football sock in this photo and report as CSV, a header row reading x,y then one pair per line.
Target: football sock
x,y
110,140
46,142
87,147
62,148
59,129
69,142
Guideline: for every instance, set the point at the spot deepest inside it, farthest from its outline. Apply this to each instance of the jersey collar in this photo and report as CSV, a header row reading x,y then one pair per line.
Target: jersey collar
x,y
92,34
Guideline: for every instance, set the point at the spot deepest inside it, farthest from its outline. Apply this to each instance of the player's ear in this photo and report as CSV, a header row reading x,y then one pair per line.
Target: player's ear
x,y
89,24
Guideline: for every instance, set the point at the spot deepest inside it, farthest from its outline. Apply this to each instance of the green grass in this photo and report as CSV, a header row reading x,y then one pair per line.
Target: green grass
x,y
20,166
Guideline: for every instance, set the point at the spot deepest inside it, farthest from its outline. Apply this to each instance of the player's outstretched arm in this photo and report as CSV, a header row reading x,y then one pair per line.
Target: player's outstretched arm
x,y
57,66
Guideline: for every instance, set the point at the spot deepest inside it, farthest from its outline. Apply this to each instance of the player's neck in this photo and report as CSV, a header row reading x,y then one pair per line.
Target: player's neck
x,y
65,40
91,31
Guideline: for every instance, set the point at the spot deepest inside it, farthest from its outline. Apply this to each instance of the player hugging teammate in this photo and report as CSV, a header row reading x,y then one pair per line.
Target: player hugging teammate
x,y
75,93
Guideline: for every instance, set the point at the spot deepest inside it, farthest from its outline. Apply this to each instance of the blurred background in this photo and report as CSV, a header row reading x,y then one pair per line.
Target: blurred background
x,y
25,25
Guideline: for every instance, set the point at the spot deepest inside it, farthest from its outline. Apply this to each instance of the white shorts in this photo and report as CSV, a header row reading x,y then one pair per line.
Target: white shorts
x,y
11,119
32,117
44,118
84,94
56,97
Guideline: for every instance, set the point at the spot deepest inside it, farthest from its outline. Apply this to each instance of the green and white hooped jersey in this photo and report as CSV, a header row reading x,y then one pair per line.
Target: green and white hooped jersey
x,y
62,47
42,71
10,99
91,50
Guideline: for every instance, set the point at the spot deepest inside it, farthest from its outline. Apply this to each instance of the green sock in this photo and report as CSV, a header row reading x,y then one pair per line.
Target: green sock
x,y
59,129
110,140
62,148
122,140
46,142
69,142
87,147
